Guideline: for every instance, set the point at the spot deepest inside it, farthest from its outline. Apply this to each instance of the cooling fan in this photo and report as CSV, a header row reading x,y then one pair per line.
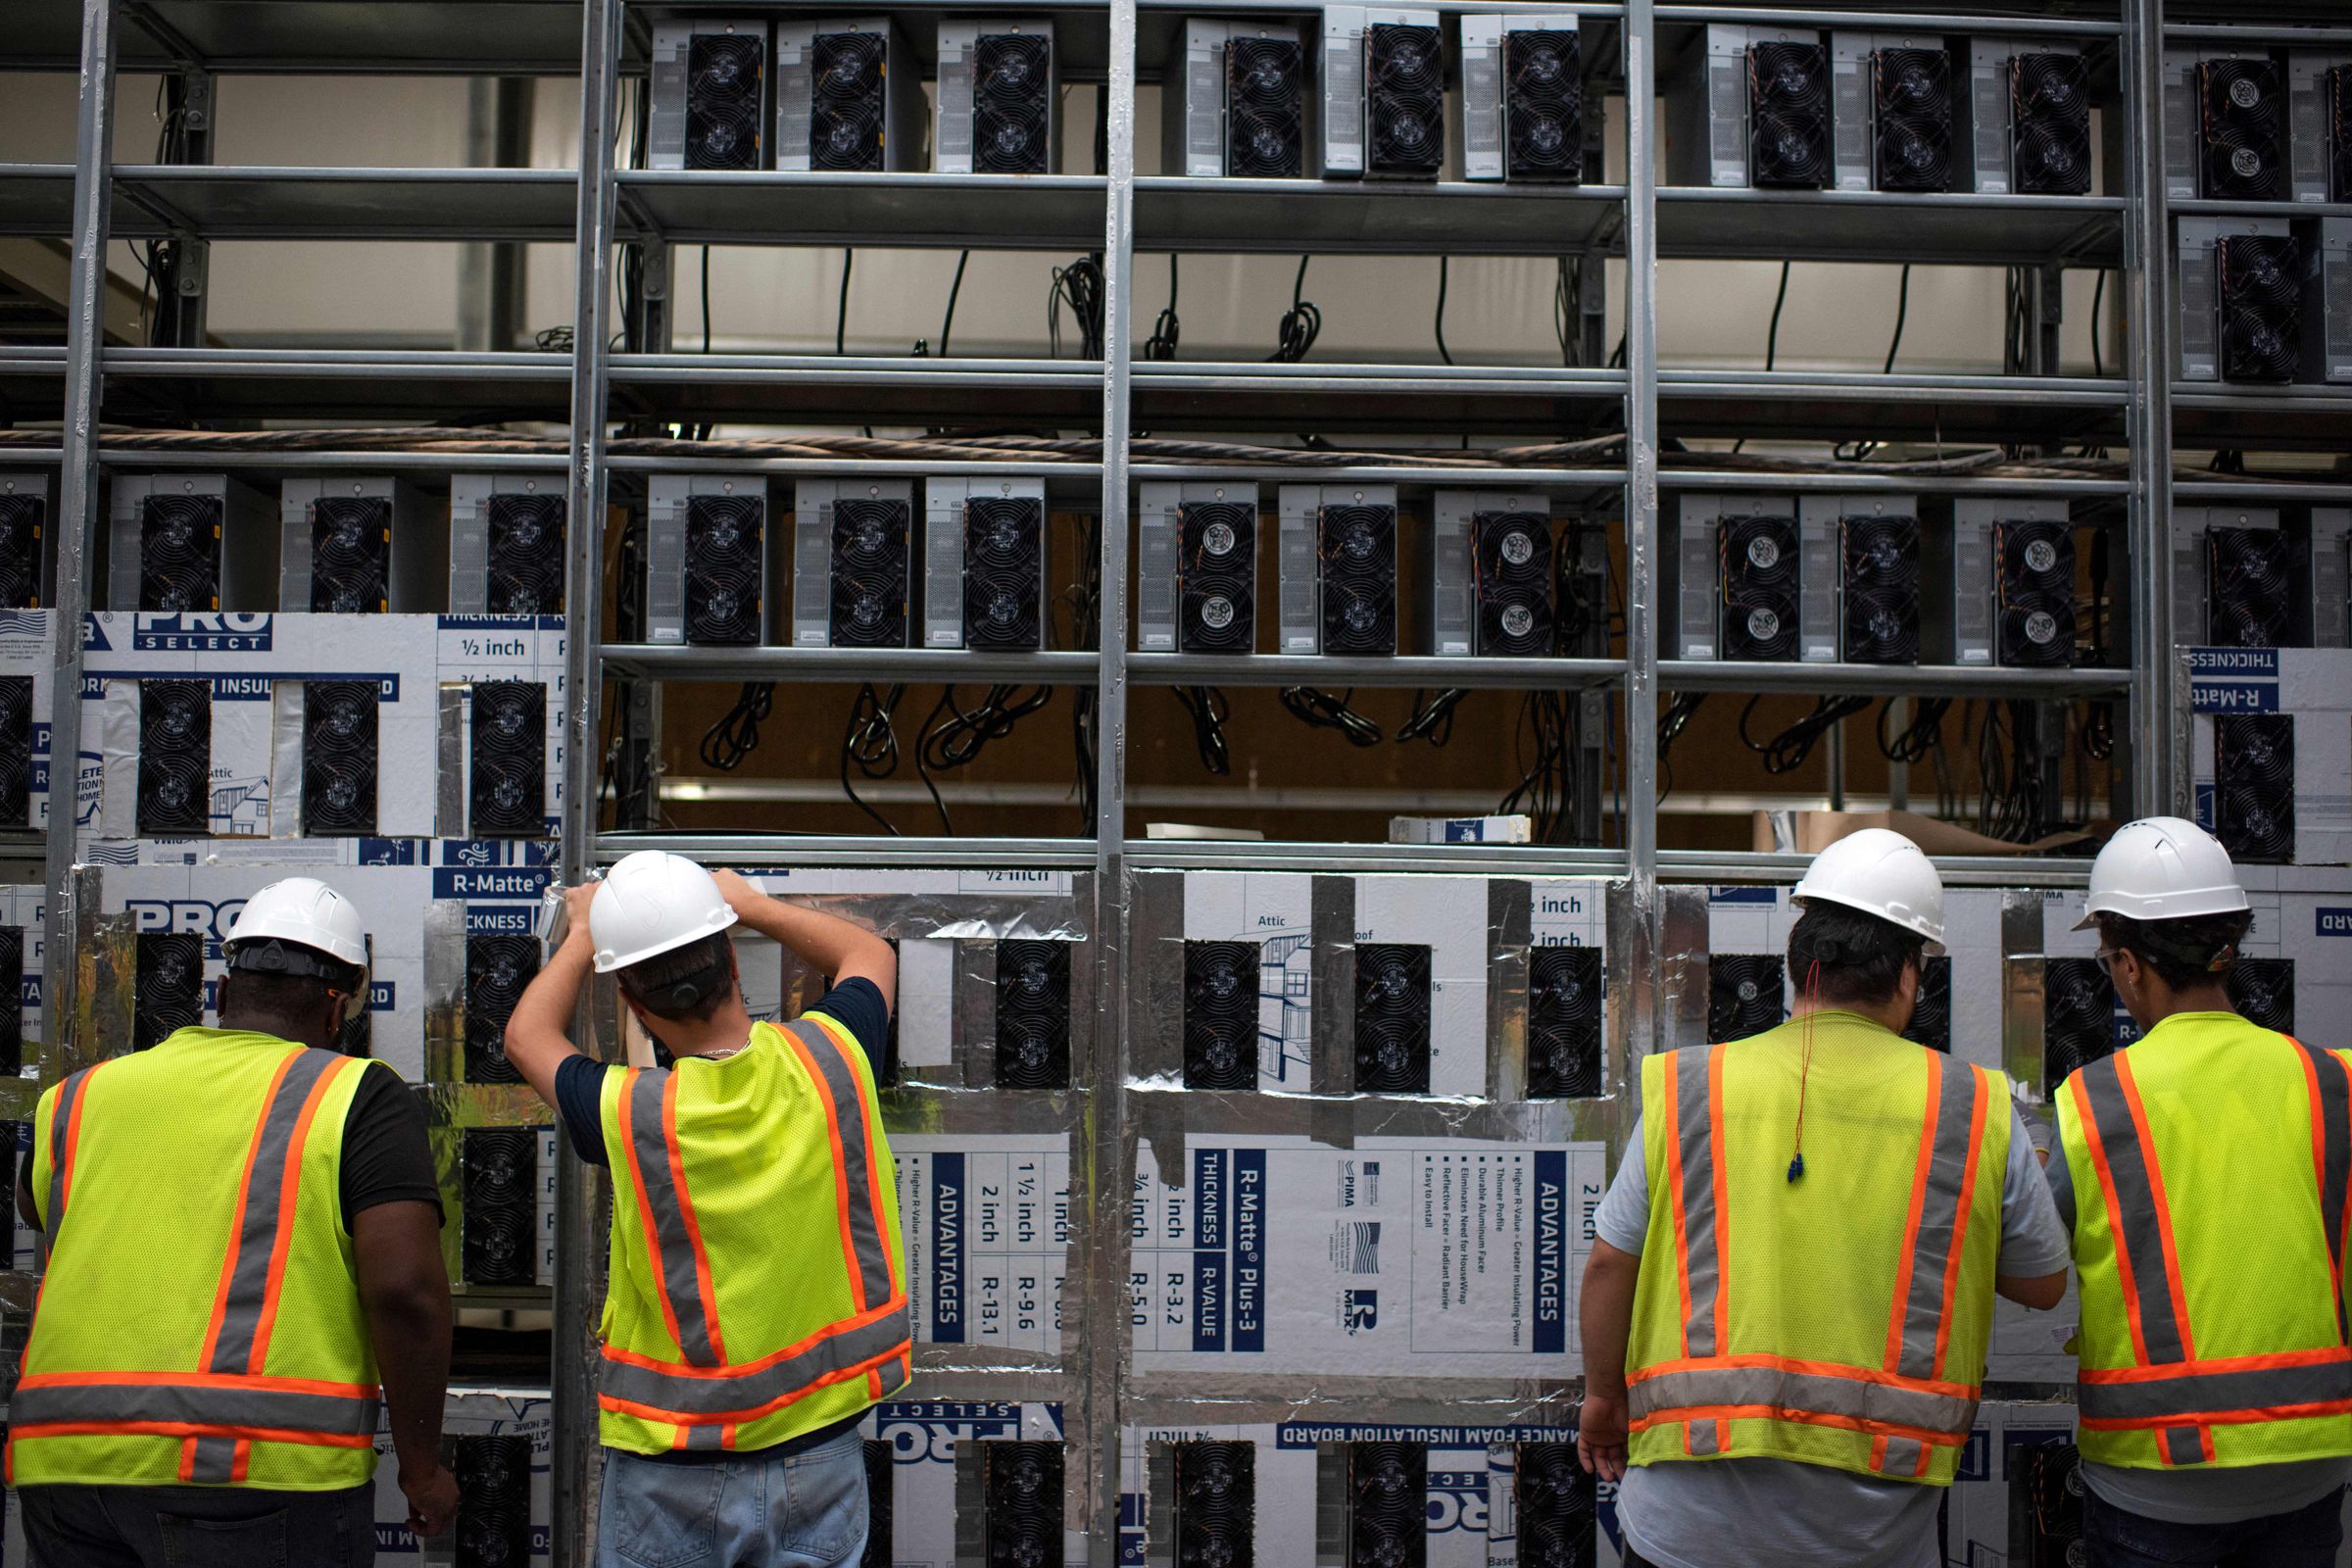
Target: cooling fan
x,y
21,520
1880,608
1388,1513
870,573
2263,989
1021,1483
1216,567
350,555
1004,571
1404,87
2245,120
2049,107
1931,1023
1743,994
1392,1018
724,561
2078,1017
2252,573
16,750
1012,103
179,554
1558,1507
2254,784
494,1501
1357,545
2037,594
1265,88
507,794
1033,1014
1220,1014
338,756
1789,110
845,119
526,554
1217,1505
1913,148
501,1193
1563,1023
723,100
498,965
1543,105
167,988
1758,569
12,1013
1510,559
175,757
2262,307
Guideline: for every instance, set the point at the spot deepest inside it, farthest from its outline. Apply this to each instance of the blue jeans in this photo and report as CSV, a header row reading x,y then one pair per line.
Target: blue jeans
x,y
2308,1538
198,1527
803,1512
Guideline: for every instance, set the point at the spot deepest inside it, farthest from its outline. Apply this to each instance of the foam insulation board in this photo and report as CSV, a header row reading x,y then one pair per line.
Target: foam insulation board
x,y
986,1224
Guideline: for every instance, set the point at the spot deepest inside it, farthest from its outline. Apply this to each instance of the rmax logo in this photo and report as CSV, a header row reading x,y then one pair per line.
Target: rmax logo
x,y
214,633
2332,922
182,916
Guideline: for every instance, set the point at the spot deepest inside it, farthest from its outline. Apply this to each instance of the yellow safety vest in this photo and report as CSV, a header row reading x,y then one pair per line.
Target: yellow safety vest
x,y
1840,1319
199,1321
2211,1160
759,1282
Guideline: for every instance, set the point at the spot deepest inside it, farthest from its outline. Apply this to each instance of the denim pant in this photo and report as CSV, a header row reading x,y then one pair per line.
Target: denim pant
x,y
2308,1538
803,1512
198,1527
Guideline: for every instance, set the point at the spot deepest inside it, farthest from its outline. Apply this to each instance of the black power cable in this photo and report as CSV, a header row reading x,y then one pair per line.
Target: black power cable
x,y
946,322
841,317
1209,709
1432,720
1920,737
1161,344
956,736
1673,719
1545,745
1300,324
871,744
1787,752
736,735
1445,264
1903,309
1772,335
1080,286
1320,709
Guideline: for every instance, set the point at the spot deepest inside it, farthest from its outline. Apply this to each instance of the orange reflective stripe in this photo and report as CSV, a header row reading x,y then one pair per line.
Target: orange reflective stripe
x,y
2096,1145
188,1428
35,1382
1907,1256
1757,1361
2162,1208
1811,1418
1977,1115
693,1230
2324,1356
645,1202
841,1174
1669,1073
682,1369
684,1418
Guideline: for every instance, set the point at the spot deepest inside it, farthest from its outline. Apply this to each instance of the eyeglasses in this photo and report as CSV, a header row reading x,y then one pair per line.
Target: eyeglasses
x,y
2106,957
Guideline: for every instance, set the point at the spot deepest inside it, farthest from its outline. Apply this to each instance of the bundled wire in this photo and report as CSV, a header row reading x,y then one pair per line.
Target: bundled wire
x,y
1320,709
1920,736
1546,750
736,735
1161,344
1445,265
2010,783
1432,720
1300,323
870,744
1209,710
1078,285
1787,752
1673,719
954,736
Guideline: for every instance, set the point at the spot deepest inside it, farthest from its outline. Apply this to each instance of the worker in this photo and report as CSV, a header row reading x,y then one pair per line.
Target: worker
x,y
2204,1177
244,1246
758,1298
1792,1275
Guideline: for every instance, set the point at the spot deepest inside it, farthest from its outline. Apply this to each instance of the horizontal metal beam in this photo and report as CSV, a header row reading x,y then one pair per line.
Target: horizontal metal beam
x,y
1465,859
1863,479
1887,681
1404,669
920,853
646,661
1981,872
1888,21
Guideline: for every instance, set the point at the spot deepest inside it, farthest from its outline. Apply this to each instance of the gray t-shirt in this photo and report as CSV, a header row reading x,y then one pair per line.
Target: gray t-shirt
x,y
2199,1497
1785,1514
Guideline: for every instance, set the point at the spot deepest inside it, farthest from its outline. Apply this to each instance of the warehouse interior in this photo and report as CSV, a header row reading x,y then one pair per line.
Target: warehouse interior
x,y
1122,534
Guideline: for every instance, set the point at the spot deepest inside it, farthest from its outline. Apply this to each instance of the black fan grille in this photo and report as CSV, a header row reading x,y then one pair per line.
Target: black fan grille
x,y
1563,1023
1880,604
724,100
1033,1014
1913,90
1265,98
338,755
12,1009
2254,786
1216,576
1220,1014
21,517
1405,109
167,989
507,795
498,965
1510,559
1388,1505
1004,571
846,123
2045,1494
1392,1018
724,570
2078,1017
1931,1023
1788,116
175,757
1012,103
1021,1487
1543,105
2050,106
526,554
494,1501
1558,1507
350,555
501,1193
16,750
2252,573
2036,602
1743,994
2339,133
1217,1505
2262,307
1357,549
1759,576
2262,988
870,573
2243,109
179,553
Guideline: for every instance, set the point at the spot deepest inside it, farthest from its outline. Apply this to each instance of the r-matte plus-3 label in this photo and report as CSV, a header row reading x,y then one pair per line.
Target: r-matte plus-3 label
x,y
987,1222
1394,1257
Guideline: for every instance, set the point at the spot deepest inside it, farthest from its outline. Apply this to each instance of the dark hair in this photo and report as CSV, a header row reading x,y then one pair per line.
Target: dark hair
x,y
688,982
2182,953
1861,956
256,997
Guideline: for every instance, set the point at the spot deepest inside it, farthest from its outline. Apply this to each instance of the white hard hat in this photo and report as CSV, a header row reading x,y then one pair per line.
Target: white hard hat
x,y
1879,871
2162,869
304,914
649,903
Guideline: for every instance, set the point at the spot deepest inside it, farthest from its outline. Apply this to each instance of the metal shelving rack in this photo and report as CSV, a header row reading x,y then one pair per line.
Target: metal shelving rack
x,y
600,208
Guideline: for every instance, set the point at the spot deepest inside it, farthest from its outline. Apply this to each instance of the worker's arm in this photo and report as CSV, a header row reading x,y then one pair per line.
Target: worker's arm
x,y
404,1292
539,1030
2040,1291
831,945
1605,1316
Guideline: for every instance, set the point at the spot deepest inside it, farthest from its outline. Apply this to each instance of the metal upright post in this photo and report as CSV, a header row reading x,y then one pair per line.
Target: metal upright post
x,y
77,522
1641,530
2158,749
579,1192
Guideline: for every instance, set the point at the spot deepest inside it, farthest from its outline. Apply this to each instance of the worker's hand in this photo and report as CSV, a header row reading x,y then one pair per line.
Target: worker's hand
x,y
432,1500
1601,1435
575,912
738,891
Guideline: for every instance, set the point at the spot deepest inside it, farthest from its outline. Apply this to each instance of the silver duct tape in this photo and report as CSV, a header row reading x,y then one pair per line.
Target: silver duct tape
x,y
19,1098
974,1010
106,967
445,990
450,734
285,759
1009,912
1682,967
1163,1115
1160,1512
17,1292
1402,1402
1624,905
1508,933
1331,1006
462,1106
2021,944
1155,977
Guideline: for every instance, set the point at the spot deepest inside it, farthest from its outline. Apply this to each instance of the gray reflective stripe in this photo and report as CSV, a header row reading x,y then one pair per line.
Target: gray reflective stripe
x,y
1694,1130
60,1122
194,1404
1939,1216
732,1394
2333,1167
1806,1392
2155,1401
680,1281
257,1230
849,1115
1701,1436
2182,1445
215,1461
1904,1455
704,1436
2136,1225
